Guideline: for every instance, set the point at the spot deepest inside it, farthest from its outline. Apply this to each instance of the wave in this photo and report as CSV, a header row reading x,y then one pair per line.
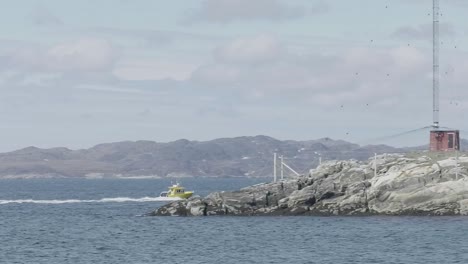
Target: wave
x,y
103,200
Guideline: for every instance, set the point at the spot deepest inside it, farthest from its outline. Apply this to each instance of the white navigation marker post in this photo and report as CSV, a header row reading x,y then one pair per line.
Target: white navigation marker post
x,y
282,167
375,165
456,167
274,167
320,157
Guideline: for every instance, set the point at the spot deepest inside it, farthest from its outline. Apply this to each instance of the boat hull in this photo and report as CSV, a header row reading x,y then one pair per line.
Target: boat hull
x,y
167,199
184,195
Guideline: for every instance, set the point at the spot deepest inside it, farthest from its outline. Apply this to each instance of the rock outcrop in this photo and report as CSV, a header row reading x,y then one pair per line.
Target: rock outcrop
x,y
412,184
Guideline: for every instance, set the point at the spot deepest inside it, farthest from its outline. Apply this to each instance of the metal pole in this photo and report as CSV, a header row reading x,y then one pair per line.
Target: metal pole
x,y
282,167
274,167
456,167
375,164
435,75
295,172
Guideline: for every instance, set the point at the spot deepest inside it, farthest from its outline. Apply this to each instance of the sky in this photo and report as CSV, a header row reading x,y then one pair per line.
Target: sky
x,y
78,73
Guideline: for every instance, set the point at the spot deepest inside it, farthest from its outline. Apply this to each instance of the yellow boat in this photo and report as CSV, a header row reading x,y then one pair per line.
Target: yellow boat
x,y
176,192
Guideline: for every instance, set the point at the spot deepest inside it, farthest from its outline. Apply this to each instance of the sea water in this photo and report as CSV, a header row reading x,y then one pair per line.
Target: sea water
x,y
102,221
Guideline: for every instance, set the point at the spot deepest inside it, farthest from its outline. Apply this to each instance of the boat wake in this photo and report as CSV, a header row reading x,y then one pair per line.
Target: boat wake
x,y
103,200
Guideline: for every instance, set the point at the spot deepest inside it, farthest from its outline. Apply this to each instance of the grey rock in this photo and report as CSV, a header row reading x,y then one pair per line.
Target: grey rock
x,y
413,184
178,208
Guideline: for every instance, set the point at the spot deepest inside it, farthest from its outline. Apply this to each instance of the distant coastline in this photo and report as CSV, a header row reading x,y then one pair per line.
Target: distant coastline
x,y
225,157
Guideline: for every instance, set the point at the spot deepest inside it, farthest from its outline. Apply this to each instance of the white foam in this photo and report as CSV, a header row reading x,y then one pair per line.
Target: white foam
x,y
103,200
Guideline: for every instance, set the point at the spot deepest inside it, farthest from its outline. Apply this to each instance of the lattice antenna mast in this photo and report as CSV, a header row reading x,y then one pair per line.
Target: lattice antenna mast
x,y
436,77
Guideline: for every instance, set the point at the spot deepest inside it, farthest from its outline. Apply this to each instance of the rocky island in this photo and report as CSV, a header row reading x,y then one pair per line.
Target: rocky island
x,y
391,184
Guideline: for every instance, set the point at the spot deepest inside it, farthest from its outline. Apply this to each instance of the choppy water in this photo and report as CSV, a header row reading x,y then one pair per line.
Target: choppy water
x,y
96,221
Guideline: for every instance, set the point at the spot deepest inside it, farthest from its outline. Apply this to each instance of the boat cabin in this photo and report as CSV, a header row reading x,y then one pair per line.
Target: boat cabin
x,y
176,191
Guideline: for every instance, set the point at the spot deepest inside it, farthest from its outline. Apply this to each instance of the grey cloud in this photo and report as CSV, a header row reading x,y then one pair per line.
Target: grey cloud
x,y
226,11
150,38
442,3
296,88
422,32
86,54
318,8
349,75
145,113
227,110
251,50
216,75
86,116
41,16
89,116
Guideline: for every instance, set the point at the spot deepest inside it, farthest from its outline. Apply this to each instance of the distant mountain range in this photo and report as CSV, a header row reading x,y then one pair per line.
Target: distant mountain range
x,y
224,157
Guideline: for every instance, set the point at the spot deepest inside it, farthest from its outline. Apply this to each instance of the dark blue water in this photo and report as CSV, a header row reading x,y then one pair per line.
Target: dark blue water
x,y
73,221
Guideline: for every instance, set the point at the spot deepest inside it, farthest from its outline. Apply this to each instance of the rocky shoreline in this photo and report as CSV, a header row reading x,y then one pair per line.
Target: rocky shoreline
x,y
411,184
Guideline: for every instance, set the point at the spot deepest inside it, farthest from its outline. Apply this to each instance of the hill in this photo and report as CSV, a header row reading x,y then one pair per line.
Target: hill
x,y
224,157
